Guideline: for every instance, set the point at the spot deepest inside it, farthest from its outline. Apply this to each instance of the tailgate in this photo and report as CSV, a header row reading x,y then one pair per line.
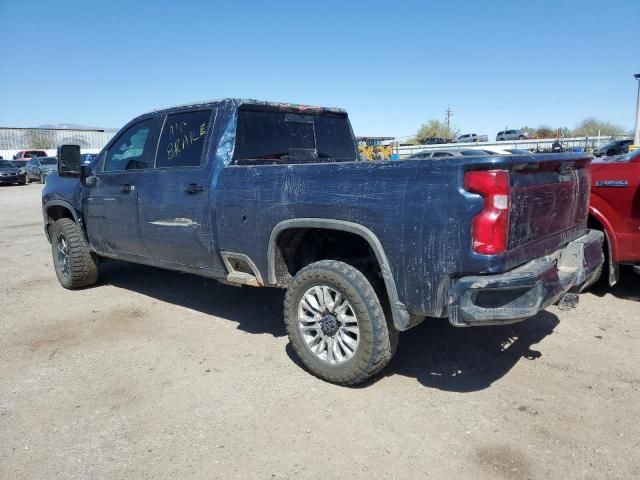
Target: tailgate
x,y
549,202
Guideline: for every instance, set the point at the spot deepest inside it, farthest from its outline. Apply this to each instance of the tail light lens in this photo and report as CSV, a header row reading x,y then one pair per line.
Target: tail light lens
x,y
490,228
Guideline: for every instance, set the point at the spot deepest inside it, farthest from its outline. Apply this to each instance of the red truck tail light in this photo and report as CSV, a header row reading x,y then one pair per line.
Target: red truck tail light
x,y
490,228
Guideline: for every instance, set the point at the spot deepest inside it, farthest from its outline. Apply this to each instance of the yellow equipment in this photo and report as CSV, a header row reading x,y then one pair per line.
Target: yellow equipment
x,y
376,148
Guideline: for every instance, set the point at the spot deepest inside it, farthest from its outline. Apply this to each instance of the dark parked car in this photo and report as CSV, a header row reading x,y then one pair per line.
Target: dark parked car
x,y
39,167
617,147
10,173
437,141
271,194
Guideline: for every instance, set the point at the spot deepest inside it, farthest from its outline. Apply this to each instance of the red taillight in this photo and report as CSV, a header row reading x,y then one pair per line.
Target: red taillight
x,y
490,228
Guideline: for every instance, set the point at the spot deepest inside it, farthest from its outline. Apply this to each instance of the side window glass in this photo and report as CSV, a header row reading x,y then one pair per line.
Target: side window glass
x,y
182,139
130,150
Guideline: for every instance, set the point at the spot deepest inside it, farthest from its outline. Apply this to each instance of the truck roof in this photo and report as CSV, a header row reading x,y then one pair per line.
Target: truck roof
x,y
259,104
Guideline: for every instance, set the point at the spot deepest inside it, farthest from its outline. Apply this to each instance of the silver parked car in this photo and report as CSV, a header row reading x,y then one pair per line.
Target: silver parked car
x,y
448,152
471,137
39,167
511,135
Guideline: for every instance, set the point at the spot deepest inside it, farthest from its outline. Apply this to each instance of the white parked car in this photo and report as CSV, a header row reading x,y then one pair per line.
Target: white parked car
x,y
511,135
472,137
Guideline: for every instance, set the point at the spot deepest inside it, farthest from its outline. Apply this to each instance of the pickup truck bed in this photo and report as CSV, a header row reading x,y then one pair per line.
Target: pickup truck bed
x,y
273,195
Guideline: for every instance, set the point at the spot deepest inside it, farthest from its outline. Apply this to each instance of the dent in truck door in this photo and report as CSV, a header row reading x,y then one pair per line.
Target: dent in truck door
x,y
110,203
174,204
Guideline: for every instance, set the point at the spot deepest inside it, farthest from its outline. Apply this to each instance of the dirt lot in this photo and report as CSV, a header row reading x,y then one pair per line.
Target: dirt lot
x,y
153,374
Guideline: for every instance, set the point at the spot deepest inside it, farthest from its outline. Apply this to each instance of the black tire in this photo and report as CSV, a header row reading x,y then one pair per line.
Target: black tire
x,y
27,180
377,340
610,153
81,268
521,137
42,177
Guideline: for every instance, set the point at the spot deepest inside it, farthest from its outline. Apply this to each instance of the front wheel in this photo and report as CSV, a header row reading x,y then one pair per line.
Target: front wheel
x,y
336,323
75,266
27,180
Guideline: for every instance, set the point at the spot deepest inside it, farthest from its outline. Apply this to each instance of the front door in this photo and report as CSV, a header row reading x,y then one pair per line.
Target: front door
x,y
174,198
110,200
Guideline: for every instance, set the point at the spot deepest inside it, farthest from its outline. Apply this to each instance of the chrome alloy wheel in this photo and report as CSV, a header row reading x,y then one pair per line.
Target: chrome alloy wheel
x,y
328,324
63,258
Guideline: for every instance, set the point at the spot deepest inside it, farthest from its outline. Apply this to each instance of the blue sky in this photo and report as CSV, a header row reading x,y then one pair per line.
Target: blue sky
x,y
392,65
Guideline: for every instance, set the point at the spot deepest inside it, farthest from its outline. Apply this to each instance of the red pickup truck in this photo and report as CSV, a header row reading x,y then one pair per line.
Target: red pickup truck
x,y
615,209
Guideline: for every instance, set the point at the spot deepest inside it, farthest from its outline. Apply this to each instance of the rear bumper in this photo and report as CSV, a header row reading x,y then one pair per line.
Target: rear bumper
x,y
524,291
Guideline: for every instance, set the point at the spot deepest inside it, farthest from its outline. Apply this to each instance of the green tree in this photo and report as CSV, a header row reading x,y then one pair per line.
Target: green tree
x,y
435,128
591,126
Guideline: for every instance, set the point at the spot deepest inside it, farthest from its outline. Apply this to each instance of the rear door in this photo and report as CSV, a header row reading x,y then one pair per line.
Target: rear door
x,y
110,200
174,198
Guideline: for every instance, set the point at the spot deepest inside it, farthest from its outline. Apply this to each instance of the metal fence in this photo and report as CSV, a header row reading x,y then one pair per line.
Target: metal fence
x,y
534,145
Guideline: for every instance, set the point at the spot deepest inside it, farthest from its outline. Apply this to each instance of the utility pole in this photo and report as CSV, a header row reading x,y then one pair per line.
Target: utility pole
x,y
636,137
449,115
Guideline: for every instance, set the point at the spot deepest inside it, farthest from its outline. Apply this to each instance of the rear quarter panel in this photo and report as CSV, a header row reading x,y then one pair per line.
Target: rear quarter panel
x,y
416,208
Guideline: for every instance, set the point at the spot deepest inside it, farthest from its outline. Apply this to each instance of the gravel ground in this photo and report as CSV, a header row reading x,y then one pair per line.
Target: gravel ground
x,y
155,374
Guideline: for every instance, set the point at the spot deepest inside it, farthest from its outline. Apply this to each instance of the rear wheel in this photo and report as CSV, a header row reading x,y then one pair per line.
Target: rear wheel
x,y
42,177
26,179
336,323
75,266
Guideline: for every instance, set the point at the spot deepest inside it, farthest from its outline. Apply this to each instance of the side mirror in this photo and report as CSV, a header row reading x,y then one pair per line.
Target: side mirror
x,y
86,176
69,161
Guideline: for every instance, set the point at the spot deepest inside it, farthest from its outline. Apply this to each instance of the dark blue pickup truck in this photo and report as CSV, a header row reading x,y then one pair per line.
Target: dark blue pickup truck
x,y
265,194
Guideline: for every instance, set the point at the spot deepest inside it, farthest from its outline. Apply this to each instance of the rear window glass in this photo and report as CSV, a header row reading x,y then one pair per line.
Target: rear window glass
x,y
48,161
182,140
281,137
35,153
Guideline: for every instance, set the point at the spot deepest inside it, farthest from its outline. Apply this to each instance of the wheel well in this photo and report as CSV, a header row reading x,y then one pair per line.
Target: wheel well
x,y
56,212
298,247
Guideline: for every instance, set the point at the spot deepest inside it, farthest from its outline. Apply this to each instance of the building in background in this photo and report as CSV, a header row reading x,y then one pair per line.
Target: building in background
x,y
90,140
